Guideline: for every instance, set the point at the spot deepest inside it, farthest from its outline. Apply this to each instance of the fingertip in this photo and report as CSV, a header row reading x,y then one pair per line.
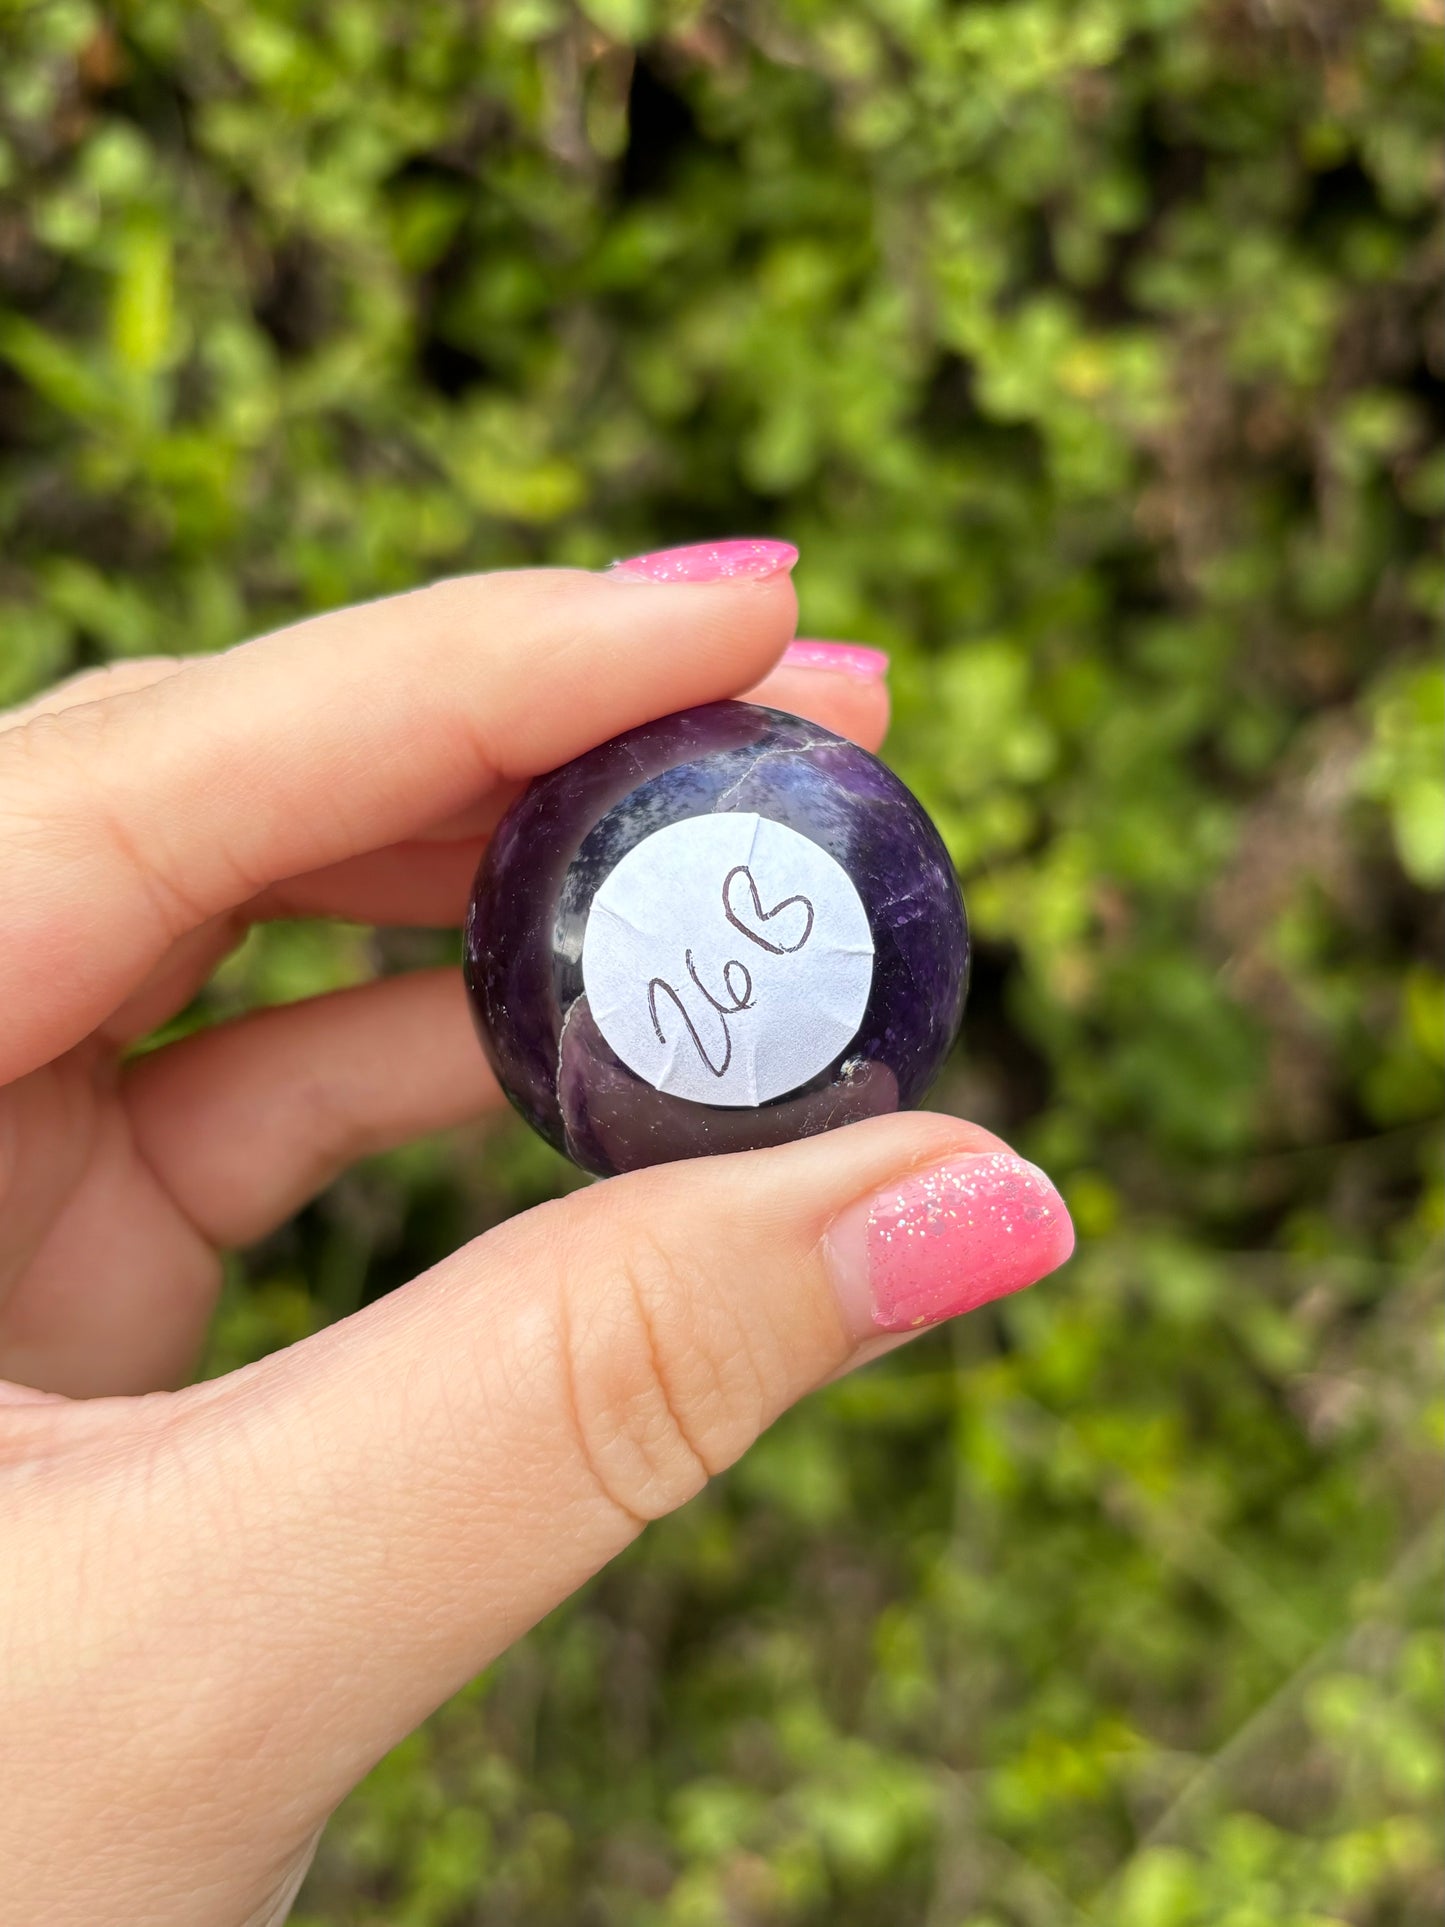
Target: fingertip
x,y
941,1240
582,667
851,705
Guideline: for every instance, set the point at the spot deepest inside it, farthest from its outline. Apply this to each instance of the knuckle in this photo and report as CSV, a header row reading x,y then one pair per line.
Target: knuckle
x,y
49,737
63,775
665,1391
43,780
86,685
321,1134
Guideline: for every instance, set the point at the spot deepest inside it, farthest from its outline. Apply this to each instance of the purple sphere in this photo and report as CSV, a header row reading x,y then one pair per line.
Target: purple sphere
x,y
816,933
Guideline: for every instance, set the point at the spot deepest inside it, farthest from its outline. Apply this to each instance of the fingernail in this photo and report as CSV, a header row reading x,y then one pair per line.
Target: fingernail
x,y
838,658
946,1240
746,557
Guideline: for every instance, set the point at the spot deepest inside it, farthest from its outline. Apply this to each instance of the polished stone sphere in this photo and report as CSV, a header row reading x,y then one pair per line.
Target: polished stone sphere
x,y
724,929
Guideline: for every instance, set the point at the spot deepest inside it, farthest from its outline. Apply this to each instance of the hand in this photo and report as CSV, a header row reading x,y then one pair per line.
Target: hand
x,y
223,1604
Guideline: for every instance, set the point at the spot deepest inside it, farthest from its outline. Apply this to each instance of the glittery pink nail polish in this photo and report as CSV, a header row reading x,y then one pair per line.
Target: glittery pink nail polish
x,y
745,557
945,1240
837,658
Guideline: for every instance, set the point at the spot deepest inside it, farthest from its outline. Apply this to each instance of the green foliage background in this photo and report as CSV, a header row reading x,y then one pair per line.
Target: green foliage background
x,y
1085,347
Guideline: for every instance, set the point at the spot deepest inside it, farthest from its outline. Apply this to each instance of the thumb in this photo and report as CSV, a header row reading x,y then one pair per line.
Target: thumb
x,y
329,1543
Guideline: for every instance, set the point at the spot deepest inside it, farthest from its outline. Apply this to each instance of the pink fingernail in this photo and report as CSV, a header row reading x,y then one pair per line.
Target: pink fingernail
x,y
946,1240
838,658
746,558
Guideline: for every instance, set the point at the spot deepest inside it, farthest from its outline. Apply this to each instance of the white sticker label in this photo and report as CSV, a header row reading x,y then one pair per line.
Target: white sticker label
x,y
727,959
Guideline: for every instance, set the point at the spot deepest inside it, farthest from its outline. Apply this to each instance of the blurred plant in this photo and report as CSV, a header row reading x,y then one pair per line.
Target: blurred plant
x,y
1088,351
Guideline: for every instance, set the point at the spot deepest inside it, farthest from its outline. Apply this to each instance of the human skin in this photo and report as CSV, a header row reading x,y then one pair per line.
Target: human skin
x,y
223,1603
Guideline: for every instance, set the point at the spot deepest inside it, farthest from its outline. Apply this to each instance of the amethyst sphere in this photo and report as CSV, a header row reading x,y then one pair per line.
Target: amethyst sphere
x,y
721,930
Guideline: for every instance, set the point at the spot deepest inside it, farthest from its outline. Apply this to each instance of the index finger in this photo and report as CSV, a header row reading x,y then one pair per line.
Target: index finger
x,y
127,822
